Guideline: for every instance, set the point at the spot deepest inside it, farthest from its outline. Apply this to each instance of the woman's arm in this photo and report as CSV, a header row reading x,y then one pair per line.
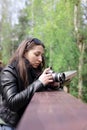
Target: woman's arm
x,y
13,97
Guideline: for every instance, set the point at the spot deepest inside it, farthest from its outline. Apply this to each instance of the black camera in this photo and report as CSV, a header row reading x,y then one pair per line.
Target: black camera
x,y
58,77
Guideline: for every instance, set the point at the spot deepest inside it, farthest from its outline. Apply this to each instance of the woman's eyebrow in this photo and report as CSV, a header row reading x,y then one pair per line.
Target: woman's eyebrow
x,y
40,52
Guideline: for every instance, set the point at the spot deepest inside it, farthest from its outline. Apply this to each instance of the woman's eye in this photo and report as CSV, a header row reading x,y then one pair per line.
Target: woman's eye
x,y
37,54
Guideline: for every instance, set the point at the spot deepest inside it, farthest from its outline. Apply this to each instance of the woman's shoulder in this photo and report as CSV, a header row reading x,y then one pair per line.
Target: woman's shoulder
x,y
11,67
9,70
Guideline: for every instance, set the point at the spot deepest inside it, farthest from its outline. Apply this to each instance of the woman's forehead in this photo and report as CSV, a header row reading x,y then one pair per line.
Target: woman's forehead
x,y
38,48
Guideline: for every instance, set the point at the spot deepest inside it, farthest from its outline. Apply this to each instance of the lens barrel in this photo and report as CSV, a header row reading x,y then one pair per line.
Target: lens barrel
x,y
58,77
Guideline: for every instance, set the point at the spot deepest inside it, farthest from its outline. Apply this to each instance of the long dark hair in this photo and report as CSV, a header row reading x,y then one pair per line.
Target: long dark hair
x,y
18,56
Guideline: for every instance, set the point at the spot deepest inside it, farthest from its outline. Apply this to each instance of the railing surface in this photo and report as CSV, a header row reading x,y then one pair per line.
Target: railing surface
x,y
54,110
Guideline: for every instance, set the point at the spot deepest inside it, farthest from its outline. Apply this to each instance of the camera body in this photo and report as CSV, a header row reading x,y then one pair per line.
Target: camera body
x,y
58,77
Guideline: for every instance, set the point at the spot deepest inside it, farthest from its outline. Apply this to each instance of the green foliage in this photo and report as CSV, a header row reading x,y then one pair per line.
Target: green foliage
x,y
52,22
84,93
6,42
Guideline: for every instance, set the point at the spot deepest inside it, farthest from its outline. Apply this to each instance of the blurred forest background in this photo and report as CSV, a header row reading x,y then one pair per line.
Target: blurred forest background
x,y
60,24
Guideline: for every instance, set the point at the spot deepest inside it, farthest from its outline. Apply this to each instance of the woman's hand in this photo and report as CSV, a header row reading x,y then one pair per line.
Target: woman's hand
x,y
46,77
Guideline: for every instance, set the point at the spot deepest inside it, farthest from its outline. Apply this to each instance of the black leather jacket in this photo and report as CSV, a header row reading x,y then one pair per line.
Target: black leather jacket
x,y
14,97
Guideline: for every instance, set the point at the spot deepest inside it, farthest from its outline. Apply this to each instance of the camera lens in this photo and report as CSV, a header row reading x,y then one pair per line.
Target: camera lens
x,y
59,77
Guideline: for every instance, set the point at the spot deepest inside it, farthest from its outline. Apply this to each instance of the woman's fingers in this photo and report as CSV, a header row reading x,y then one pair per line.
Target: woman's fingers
x,y
46,70
46,77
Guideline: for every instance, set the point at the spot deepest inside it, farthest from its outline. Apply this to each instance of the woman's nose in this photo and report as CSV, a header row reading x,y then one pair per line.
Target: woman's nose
x,y
40,58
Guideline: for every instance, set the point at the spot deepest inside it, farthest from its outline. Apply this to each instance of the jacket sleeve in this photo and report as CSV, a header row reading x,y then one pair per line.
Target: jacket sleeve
x,y
16,100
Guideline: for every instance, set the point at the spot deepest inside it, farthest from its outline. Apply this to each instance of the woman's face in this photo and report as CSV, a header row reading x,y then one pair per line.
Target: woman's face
x,y
34,56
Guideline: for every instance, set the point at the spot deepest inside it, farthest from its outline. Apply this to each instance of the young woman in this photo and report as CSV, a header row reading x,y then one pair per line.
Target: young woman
x,y
21,79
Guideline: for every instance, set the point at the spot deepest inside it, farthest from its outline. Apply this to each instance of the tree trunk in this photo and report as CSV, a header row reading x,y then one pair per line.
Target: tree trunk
x,y
80,68
32,24
80,45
